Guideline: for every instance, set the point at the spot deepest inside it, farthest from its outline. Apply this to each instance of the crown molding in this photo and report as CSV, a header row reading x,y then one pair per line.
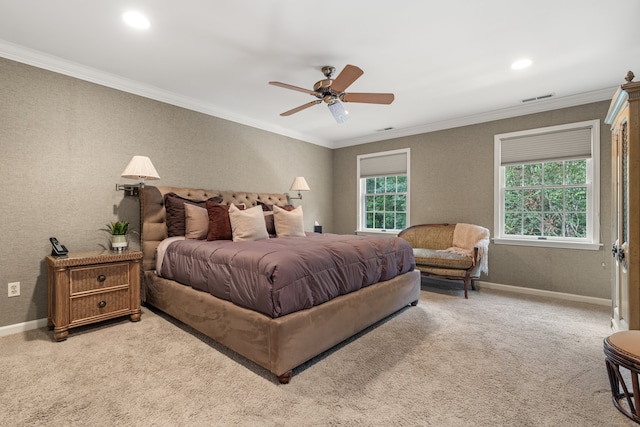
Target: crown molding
x,y
52,63
73,69
504,113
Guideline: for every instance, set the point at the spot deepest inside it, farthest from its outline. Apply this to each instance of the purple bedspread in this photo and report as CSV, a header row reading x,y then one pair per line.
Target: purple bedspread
x,y
282,275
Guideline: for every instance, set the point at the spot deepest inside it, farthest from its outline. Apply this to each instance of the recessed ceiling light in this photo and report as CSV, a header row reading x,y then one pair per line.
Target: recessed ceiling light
x,y
521,63
136,20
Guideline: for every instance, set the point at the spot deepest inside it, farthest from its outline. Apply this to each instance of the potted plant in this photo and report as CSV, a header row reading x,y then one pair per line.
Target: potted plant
x,y
118,231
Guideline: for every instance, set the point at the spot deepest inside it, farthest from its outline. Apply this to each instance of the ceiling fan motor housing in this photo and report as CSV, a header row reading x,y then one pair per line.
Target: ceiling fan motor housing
x,y
324,92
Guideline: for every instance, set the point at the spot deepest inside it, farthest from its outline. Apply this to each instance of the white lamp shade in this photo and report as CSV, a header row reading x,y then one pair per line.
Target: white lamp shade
x,y
299,184
140,167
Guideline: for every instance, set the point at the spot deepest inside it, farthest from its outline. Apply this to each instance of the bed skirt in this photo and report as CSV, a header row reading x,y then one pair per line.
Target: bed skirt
x,y
283,343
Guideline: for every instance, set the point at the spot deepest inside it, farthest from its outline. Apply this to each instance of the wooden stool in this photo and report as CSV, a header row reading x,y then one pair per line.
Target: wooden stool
x,y
622,350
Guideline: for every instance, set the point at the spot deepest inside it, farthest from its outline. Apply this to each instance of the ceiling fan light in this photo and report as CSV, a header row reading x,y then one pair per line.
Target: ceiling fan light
x,y
339,113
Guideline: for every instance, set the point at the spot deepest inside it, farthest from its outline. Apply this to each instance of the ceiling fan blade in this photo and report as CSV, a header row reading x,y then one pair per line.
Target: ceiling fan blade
x,y
368,98
302,107
348,75
299,89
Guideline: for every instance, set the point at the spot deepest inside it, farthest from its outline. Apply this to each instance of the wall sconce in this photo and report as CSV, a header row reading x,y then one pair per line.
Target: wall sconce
x,y
299,184
141,168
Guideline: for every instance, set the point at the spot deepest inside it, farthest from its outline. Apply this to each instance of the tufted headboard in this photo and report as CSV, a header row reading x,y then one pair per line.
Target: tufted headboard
x,y
152,212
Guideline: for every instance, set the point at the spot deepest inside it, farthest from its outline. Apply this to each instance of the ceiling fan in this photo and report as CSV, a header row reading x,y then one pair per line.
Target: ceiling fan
x,y
332,91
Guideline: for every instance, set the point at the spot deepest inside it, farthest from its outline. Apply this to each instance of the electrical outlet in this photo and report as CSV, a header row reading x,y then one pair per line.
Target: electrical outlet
x,y
14,289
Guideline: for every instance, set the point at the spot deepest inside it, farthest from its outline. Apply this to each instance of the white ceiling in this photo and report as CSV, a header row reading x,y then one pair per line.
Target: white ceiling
x,y
447,62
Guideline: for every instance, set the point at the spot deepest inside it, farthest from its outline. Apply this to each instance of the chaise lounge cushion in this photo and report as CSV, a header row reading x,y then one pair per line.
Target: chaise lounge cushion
x,y
441,258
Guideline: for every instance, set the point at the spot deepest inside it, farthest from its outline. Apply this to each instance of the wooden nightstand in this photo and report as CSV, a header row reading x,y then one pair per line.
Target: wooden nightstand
x,y
88,287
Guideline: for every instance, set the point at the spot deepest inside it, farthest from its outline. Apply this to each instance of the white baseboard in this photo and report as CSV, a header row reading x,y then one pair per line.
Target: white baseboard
x,y
543,293
22,327
41,323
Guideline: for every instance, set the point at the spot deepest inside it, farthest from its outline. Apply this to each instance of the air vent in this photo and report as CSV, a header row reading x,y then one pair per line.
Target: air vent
x,y
538,98
385,129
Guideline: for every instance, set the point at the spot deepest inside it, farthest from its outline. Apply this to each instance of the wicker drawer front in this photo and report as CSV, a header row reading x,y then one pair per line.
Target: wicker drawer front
x,y
98,277
99,304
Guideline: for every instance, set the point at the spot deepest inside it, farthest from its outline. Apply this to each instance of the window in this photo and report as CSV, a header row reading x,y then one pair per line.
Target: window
x,y
547,186
385,202
383,191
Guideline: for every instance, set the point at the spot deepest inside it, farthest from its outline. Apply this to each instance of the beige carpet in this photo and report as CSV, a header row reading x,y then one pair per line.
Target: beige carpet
x,y
496,359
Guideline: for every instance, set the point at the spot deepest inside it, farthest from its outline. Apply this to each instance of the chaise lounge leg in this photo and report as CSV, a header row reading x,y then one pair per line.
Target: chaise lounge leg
x,y
466,287
473,284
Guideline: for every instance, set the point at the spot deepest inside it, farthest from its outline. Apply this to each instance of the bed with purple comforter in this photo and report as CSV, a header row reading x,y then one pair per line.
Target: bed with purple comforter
x,y
282,275
278,302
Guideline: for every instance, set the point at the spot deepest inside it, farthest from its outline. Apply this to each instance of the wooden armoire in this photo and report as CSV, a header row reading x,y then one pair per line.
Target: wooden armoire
x,y
624,118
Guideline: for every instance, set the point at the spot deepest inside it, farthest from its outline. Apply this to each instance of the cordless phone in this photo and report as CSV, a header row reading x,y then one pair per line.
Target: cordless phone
x,y
58,249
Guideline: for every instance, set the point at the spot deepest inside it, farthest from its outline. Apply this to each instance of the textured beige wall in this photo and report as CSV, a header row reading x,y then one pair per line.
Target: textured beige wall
x,y
452,176
65,142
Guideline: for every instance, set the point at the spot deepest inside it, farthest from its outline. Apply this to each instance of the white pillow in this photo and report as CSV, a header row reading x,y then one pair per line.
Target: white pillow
x,y
288,223
247,224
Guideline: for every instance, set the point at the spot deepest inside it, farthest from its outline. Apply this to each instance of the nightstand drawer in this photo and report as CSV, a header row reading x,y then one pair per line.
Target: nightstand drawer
x,y
99,304
98,277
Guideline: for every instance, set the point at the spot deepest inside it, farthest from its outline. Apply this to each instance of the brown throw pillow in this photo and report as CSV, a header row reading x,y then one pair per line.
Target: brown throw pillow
x,y
269,223
266,207
219,222
175,217
268,218
269,208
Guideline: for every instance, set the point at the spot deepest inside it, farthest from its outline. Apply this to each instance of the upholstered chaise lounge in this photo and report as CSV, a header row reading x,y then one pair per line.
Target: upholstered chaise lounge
x,y
450,251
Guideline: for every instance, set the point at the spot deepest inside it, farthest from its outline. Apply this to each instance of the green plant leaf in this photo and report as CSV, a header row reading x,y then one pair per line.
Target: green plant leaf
x,y
117,228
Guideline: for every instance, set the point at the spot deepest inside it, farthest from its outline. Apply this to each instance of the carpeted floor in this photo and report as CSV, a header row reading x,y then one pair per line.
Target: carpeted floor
x,y
496,359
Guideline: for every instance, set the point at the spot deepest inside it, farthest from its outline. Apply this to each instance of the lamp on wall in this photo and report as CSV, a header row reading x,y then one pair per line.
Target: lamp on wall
x,y
140,168
299,184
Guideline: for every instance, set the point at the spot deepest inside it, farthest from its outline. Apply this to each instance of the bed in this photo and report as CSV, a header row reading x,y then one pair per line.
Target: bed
x,y
278,344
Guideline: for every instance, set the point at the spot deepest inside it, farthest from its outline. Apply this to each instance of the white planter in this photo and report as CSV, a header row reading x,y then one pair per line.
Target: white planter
x,y
119,242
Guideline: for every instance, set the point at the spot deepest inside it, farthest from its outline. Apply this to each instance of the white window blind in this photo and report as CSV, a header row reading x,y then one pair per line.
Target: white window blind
x,y
560,145
381,164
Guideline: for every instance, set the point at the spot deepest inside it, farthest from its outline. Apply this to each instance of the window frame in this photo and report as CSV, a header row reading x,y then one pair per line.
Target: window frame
x,y
361,186
592,240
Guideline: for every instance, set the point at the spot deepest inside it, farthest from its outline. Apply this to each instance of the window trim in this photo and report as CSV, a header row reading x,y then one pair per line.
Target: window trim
x,y
592,242
362,190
